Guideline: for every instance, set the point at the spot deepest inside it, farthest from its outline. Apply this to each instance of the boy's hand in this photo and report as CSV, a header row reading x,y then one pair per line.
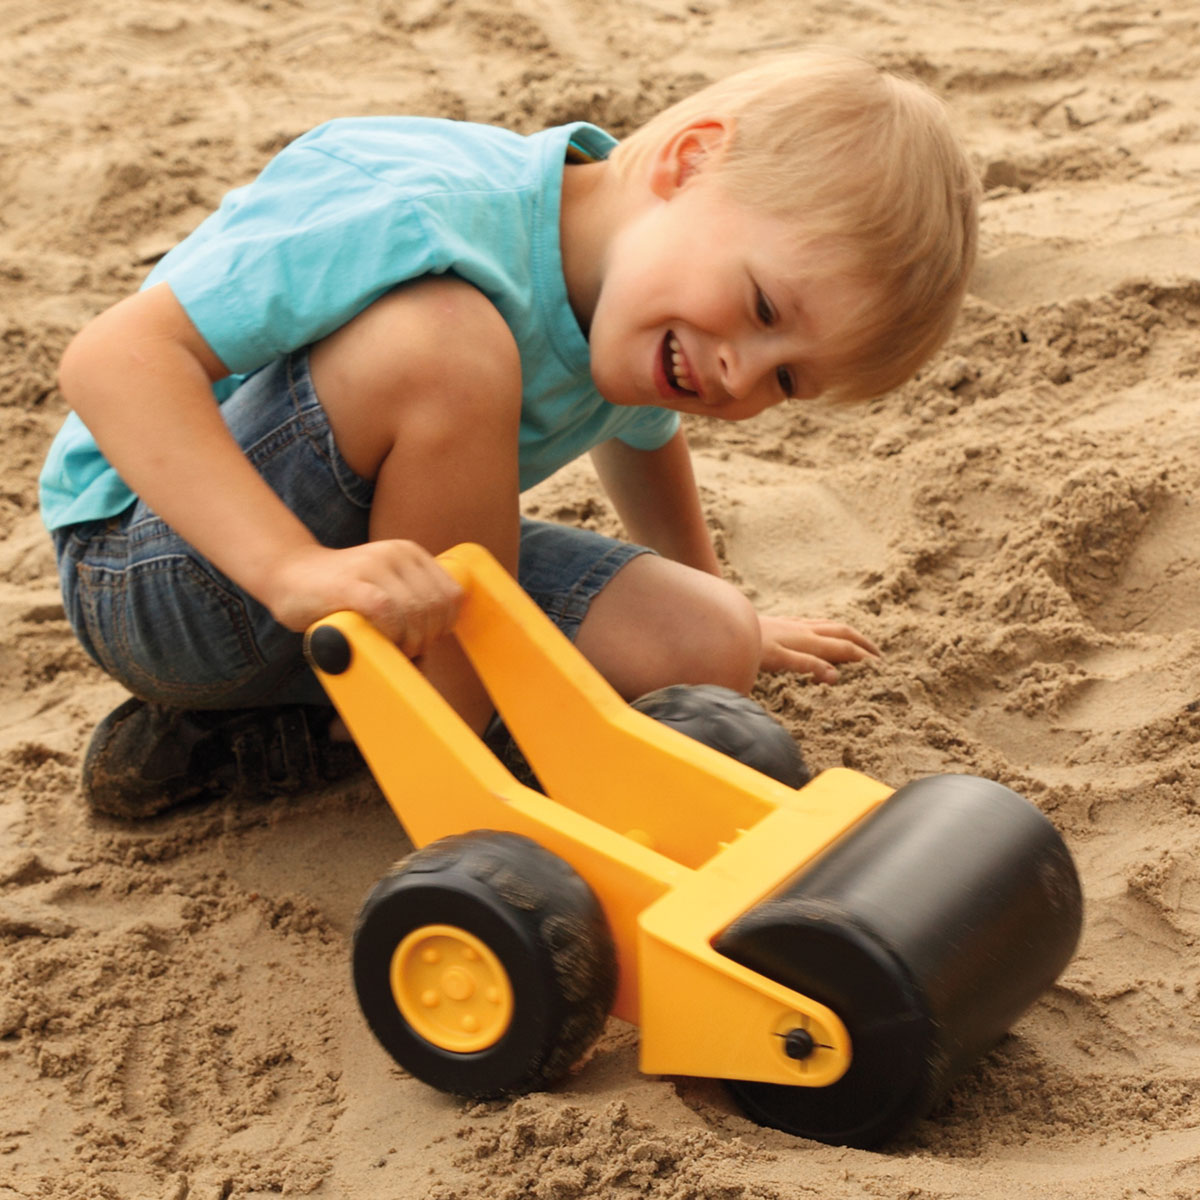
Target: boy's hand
x,y
811,647
396,584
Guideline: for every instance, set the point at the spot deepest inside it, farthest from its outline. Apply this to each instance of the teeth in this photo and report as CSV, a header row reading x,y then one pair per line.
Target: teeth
x,y
678,366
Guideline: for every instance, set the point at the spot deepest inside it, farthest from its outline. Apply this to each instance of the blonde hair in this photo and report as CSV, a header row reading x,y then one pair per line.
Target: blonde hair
x,y
860,159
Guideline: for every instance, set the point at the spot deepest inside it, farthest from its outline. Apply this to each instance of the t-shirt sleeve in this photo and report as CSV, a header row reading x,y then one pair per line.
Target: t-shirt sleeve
x,y
649,428
294,255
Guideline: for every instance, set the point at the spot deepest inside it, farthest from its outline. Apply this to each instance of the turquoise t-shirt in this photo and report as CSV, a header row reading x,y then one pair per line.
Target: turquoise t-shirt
x,y
343,215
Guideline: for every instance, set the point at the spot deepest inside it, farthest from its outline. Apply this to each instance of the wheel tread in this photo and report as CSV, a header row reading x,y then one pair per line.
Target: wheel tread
x,y
555,906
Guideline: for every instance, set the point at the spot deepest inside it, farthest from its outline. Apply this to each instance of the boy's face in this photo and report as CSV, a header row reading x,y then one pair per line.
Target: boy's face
x,y
707,306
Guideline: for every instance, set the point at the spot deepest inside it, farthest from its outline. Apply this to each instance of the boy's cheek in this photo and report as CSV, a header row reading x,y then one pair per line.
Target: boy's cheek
x,y
612,379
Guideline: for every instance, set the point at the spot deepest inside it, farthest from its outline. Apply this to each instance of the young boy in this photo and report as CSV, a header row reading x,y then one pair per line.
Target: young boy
x,y
407,322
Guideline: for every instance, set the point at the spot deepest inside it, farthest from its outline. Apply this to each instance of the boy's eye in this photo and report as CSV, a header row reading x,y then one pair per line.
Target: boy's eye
x,y
766,314
787,382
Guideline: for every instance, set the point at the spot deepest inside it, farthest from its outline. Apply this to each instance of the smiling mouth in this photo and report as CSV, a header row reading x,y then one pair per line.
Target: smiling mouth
x,y
676,368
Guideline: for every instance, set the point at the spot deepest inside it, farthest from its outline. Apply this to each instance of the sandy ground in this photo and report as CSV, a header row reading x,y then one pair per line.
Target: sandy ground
x,y
1016,527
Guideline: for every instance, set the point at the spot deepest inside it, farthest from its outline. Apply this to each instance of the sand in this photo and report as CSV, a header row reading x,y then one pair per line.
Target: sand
x,y
1016,527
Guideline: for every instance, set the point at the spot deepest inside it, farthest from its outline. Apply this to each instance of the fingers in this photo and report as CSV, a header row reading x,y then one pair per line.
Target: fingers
x,y
414,601
397,585
820,669
844,639
836,649
812,647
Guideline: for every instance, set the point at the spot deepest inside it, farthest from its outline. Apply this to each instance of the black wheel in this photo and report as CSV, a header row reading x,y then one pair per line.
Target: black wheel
x,y
731,723
929,929
484,965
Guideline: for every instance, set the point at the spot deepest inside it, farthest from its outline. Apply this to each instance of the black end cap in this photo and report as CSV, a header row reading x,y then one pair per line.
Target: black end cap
x,y
326,648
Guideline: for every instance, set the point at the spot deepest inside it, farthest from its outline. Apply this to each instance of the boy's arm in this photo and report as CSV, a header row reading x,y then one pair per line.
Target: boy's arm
x,y
140,377
655,495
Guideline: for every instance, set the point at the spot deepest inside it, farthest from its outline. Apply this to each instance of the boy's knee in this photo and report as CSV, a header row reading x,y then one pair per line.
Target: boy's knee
x,y
452,336
432,363
725,639
658,623
459,364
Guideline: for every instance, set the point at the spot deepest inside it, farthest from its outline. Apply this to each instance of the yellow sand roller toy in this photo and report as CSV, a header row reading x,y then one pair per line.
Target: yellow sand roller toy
x,y
836,950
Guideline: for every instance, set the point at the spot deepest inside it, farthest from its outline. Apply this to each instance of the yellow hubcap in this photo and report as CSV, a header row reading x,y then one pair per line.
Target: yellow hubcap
x,y
451,988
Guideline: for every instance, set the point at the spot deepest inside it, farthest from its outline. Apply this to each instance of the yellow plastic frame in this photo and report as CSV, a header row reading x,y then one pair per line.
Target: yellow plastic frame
x,y
676,839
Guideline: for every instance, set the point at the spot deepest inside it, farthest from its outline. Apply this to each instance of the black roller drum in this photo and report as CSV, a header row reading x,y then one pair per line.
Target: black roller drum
x,y
929,928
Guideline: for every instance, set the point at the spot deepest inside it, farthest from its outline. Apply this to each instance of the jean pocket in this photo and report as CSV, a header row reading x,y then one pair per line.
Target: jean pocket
x,y
169,630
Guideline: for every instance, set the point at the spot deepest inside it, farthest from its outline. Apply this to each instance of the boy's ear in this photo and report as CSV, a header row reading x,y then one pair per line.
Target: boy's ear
x,y
686,153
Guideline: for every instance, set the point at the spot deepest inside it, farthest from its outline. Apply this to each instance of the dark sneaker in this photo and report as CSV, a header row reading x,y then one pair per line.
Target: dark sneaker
x,y
145,758
721,718
732,723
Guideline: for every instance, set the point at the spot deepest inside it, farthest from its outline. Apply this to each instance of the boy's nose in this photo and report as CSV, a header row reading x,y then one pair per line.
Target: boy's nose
x,y
741,373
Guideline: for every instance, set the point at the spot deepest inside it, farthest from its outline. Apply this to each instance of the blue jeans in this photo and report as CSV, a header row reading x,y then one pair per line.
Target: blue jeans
x,y
163,621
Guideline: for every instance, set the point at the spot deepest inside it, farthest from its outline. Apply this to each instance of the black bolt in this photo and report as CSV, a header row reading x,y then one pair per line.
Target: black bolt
x,y
799,1043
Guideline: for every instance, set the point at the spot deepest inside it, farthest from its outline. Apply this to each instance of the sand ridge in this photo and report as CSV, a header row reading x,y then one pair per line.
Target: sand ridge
x,y
1016,527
